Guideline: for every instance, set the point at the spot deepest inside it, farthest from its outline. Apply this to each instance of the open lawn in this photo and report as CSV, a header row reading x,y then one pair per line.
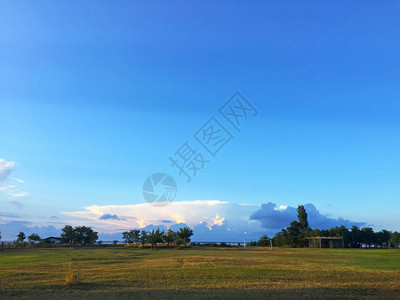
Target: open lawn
x,y
201,272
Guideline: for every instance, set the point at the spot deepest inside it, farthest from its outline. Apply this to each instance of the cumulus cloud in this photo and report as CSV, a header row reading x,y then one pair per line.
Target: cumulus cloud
x,y
210,215
5,169
211,220
141,215
274,218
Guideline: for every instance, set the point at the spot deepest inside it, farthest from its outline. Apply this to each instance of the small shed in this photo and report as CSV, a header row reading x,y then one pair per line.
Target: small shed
x,y
325,242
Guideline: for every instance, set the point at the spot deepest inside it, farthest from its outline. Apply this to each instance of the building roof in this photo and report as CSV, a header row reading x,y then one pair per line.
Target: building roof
x,y
52,237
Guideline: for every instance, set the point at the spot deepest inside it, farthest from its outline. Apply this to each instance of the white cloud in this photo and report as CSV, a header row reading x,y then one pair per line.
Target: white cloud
x,y
20,194
5,169
6,164
211,220
6,188
218,220
210,213
282,207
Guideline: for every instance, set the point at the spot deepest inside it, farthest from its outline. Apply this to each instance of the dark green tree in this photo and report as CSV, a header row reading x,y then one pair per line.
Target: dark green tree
x,y
135,236
264,241
185,233
178,239
127,237
154,237
67,234
131,236
143,237
395,240
294,235
169,237
368,236
83,235
341,231
20,239
355,237
80,235
383,237
279,240
33,238
303,219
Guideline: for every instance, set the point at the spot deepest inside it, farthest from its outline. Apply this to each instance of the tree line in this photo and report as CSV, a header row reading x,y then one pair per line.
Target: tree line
x,y
20,240
82,235
292,236
154,237
354,237
79,235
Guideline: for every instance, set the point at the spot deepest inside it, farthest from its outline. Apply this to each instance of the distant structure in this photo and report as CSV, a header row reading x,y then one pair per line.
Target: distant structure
x,y
325,242
53,240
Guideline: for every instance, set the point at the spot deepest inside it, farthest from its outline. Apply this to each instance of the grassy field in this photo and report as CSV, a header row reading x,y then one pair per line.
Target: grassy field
x,y
199,272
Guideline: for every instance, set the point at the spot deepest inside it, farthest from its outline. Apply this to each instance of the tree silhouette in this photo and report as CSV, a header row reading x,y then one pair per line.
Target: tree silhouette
x,y
169,237
20,238
303,220
395,239
383,237
143,237
131,236
80,235
33,238
185,233
155,236
264,241
67,234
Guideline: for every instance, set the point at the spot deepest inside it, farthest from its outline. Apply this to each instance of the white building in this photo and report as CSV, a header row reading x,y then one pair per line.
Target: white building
x,y
53,240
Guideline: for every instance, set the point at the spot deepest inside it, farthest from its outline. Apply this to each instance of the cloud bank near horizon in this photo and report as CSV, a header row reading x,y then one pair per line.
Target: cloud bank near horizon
x,y
211,220
208,215
273,218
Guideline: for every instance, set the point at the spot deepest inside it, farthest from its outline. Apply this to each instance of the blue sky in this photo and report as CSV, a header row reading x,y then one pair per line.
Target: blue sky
x,y
95,96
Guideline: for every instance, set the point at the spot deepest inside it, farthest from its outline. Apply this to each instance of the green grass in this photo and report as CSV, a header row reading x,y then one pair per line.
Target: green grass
x,y
197,272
